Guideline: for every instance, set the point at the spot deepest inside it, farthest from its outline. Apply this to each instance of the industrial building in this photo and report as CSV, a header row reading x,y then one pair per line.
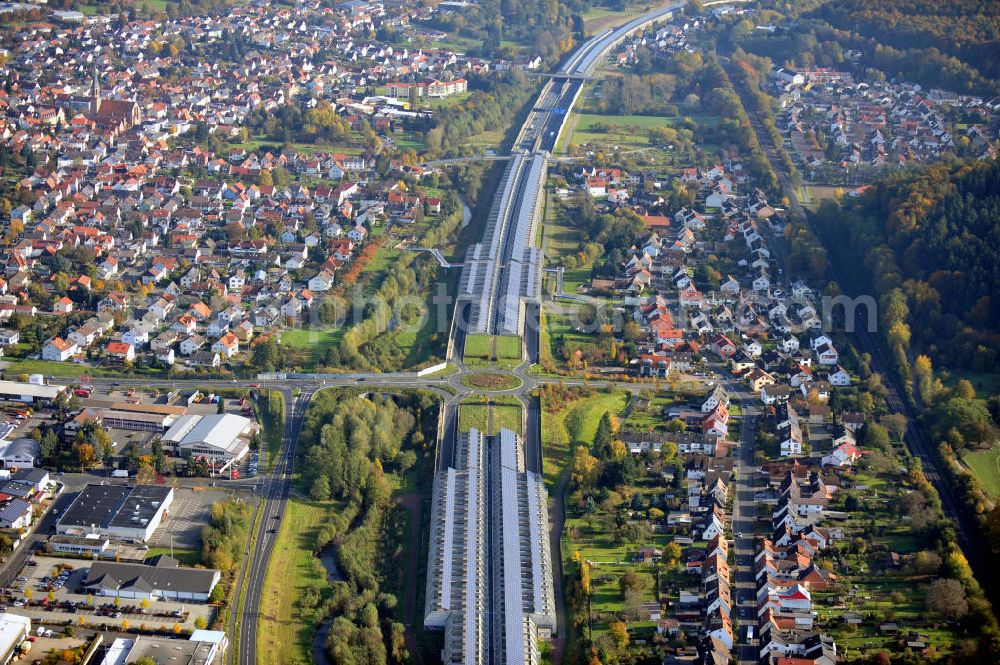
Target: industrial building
x,y
19,453
157,578
90,545
125,416
31,392
122,513
221,438
14,630
489,568
203,648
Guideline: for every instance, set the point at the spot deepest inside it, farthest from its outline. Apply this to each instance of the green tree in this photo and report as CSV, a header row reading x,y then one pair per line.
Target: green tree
x,y
266,355
320,490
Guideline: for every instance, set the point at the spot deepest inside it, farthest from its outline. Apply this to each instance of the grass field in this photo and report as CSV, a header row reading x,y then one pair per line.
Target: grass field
x,y
559,327
575,424
509,346
272,438
264,145
476,413
285,631
47,367
316,340
478,346
986,465
599,19
186,557
985,383
624,132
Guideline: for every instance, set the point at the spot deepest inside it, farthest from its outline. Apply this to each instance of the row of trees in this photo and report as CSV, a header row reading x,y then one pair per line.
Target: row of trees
x,y
224,538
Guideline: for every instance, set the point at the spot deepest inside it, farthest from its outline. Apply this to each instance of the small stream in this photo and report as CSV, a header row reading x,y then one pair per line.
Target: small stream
x,y
466,213
328,557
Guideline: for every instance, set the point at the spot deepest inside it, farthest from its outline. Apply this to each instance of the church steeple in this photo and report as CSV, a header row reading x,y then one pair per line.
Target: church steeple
x,y
95,94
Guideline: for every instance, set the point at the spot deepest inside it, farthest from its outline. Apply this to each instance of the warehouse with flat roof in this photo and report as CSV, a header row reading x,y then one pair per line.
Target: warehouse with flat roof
x,y
16,391
123,513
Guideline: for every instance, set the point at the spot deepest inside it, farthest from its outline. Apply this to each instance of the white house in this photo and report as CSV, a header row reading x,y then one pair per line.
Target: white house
x,y
790,344
717,395
191,344
840,377
773,394
322,281
58,349
166,356
827,355
63,306
227,345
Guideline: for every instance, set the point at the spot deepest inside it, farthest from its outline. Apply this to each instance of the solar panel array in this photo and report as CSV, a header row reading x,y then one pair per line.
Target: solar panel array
x,y
496,590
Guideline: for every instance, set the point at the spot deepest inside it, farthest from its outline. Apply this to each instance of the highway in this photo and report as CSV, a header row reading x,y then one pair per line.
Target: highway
x,y
536,141
585,59
275,493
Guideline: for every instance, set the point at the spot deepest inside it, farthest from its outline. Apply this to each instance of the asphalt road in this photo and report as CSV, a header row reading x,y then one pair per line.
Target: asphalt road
x,y
275,494
744,520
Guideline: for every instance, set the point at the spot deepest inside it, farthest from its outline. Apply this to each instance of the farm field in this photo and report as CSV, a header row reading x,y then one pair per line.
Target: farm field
x,y
478,346
315,341
475,412
47,367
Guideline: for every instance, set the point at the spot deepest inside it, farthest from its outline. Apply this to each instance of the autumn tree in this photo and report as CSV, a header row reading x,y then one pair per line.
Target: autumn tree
x,y
86,456
584,467
619,634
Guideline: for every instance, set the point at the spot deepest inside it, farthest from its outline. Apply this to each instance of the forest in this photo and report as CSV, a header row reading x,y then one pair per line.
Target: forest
x,y
547,27
909,39
353,444
926,24
494,101
927,242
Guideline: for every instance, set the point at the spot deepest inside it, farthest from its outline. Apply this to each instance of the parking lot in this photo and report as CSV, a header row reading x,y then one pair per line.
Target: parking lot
x,y
53,587
59,641
189,512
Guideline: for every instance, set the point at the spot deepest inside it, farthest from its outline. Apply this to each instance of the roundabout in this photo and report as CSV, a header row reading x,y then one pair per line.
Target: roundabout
x,y
491,381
